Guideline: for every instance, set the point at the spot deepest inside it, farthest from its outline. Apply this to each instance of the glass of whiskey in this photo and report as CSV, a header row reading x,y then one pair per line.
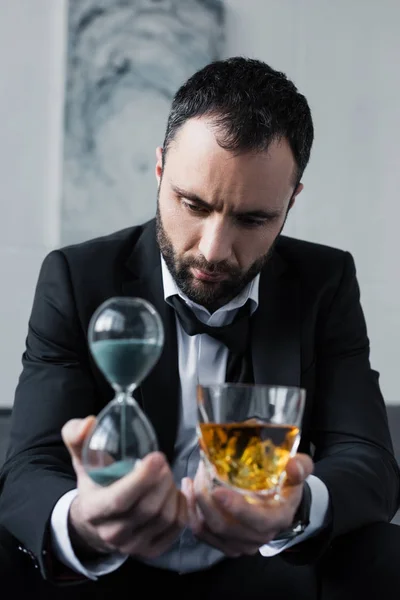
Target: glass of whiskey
x,y
247,433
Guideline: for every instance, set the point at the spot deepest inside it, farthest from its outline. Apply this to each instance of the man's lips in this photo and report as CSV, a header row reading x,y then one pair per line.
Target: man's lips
x,y
205,276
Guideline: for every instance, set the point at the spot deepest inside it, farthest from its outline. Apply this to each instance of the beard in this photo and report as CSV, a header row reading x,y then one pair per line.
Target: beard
x,y
211,295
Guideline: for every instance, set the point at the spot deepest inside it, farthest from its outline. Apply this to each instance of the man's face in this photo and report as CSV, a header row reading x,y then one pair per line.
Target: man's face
x,y
219,213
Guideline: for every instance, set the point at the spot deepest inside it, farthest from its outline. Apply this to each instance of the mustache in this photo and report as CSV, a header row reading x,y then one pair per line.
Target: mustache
x,y
219,268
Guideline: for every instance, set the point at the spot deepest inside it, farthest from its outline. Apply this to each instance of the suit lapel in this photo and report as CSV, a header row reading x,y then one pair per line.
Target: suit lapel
x,y
275,327
159,392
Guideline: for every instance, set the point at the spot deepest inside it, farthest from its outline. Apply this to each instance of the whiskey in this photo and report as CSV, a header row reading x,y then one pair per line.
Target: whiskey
x,y
251,455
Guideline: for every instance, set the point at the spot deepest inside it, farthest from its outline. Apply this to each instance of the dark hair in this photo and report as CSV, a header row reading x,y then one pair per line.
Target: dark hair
x,y
250,105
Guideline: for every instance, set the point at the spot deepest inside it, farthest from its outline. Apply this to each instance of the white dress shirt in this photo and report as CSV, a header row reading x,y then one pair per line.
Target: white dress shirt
x,y
201,359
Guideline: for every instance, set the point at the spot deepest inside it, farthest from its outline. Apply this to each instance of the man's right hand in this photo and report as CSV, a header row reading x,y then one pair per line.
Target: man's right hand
x,y
140,515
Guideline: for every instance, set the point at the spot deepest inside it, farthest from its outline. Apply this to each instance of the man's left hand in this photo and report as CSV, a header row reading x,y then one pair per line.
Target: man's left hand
x,y
226,520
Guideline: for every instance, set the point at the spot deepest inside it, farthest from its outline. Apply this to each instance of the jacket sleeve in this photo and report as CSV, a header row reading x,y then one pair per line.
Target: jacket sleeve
x,y
349,430
54,386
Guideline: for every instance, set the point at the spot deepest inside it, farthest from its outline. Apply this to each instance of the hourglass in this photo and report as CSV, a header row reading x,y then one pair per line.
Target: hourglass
x,y
126,337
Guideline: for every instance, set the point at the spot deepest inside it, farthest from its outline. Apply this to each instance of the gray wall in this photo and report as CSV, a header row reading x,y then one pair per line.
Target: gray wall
x,y
344,56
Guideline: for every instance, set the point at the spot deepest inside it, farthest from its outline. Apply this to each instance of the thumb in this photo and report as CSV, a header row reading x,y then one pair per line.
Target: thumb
x,y
74,434
298,469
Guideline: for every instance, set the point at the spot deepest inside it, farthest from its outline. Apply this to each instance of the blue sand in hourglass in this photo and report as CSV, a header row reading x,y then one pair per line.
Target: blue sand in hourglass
x,y
125,361
122,436
107,475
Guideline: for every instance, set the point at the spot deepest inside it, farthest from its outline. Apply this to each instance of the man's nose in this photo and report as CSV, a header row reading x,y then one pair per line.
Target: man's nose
x,y
216,243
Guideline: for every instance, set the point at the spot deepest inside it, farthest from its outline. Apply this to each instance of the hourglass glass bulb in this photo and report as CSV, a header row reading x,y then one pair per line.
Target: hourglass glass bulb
x,y
126,338
121,436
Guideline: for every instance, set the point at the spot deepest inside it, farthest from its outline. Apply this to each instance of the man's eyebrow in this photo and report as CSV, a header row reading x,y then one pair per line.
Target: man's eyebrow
x,y
190,196
255,214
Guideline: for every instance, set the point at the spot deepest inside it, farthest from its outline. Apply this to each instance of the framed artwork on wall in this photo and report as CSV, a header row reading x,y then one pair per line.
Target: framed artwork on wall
x,y
125,60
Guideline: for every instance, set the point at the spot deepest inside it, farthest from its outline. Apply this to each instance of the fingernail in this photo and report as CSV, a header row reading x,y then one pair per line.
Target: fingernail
x,y
137,464
83,426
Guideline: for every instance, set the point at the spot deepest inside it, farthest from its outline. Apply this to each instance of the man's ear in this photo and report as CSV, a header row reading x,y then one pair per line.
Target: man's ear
x,y
296,192
159,157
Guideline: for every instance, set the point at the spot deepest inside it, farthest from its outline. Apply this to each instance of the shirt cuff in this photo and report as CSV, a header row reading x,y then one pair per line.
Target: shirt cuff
x,y
62,546
318,514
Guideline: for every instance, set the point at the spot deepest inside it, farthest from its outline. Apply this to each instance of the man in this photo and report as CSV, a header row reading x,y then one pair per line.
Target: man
x,y
238,139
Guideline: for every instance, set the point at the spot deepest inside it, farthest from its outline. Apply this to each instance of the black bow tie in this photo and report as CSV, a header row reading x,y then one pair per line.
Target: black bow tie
x,y
235,336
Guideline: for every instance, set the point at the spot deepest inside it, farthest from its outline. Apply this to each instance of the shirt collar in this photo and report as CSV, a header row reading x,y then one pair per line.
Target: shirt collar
x,y
250,292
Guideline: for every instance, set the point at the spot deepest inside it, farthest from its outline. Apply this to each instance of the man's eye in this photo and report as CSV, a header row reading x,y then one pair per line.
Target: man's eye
x,y
194,208
252,223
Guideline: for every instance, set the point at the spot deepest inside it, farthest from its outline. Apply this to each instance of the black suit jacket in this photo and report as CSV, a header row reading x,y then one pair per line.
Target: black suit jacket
x,y
308,331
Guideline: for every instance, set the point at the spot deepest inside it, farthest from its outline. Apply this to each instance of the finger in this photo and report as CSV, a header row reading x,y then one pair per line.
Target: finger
x,y
233,533
189,493
156,538
121,534
74,433
182,515
119,528
230,515
150,474
213,515
157,509
298,469
220,521
258,519
118,500
179,523
150,548
205,509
